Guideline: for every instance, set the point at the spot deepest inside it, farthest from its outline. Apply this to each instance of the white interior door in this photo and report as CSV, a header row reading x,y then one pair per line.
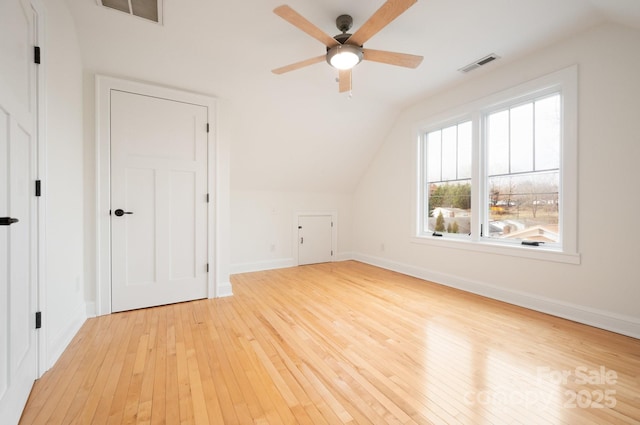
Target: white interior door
x,y
158,201
18,285
315,239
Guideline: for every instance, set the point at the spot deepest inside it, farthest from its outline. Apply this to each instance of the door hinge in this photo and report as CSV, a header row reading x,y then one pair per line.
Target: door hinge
x,y
207,198
38,319
332,224
332,253
36,54
207,127
207,267
38,188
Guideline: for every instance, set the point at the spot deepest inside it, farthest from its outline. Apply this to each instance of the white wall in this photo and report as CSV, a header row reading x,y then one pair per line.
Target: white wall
x,y
262,226
64,306
604,289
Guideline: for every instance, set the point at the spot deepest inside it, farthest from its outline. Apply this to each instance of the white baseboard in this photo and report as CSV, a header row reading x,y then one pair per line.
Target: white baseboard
x,y
56,345
625,325
280,263
224,290
91,309
257,266
344,256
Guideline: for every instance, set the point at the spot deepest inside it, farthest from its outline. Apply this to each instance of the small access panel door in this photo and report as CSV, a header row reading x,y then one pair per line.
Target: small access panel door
x,y
315,239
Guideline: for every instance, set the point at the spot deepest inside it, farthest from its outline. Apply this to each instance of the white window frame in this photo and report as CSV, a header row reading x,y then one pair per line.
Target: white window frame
x,y
564,81
439,125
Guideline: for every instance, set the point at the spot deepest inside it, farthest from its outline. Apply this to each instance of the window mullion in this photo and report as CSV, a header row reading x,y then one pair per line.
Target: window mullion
x,y
533,129
441,161
478,160
457,153
509,137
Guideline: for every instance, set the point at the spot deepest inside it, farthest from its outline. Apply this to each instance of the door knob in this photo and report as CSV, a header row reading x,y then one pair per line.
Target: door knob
x,y
120,213
7,221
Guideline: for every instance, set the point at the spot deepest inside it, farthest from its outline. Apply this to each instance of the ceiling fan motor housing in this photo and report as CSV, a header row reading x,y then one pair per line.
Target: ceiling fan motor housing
x,y
344,23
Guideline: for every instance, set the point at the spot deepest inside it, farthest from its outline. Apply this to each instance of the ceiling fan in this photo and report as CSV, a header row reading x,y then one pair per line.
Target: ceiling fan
x,y
344,51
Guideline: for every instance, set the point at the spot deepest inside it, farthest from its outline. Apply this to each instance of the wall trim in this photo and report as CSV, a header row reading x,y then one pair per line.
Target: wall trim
x,y
345,256
610,321
224,289
91,309
278,263
59,343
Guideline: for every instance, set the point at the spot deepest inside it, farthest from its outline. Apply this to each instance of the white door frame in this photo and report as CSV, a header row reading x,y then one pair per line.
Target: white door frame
x,y
334,232
104,85
41,171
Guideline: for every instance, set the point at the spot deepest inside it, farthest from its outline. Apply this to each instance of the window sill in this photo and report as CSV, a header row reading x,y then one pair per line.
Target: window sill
x,y
532,252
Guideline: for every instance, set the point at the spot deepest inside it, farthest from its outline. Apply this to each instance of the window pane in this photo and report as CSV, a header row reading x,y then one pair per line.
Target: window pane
x,y
464,150
522,138
498,142
524,207
448,186
433,156
548,133
450,207
449,153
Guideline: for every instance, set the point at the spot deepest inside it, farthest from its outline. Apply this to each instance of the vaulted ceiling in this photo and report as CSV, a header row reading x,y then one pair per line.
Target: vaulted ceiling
x,y
295,131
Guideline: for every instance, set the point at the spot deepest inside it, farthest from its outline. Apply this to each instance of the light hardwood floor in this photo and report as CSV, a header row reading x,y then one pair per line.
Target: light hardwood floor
x,y
340,343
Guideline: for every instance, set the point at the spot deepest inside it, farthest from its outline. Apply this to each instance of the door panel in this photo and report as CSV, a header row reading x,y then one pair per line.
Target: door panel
x,y
19,247
159,175
5,123
16,45
184,235
314,239
18,285
140,227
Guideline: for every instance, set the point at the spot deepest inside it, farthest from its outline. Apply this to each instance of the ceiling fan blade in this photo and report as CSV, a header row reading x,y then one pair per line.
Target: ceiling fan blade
x,y
299,21
380,19
392,58
299,65
344,80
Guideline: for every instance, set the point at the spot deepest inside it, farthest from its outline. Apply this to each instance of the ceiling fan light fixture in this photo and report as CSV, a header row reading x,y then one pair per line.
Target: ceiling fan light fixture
x,y
344,56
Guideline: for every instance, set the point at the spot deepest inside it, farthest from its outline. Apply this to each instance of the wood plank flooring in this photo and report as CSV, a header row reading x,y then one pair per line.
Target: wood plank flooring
x,y
340,343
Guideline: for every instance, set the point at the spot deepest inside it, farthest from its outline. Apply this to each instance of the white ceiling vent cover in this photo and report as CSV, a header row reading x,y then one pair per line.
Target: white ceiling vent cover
x,y
147,9
478,63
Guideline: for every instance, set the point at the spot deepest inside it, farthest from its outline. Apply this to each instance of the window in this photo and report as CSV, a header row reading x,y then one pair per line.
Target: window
x,y
523,162
503,177
448,183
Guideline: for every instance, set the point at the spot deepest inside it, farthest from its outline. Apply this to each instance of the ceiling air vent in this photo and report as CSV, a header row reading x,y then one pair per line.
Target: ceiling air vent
x,y
478,63
147,9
